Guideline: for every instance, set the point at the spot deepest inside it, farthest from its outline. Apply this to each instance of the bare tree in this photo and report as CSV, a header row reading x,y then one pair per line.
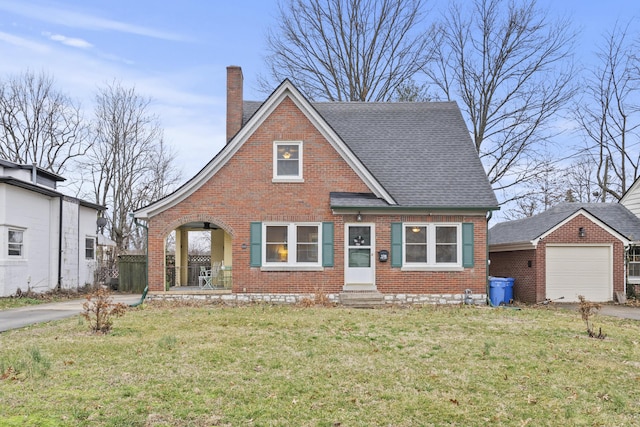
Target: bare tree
x,y
544,190
609,115
39,124
129,163
582,181
510,66
348,50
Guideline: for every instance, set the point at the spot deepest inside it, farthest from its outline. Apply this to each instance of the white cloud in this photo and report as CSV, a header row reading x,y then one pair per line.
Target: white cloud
x,y
69,41
23,43
57,15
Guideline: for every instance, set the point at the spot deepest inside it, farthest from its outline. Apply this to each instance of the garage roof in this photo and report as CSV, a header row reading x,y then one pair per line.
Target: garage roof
x,y
614,215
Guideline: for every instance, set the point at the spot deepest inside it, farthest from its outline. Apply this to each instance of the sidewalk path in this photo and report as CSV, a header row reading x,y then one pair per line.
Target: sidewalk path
x,y
623,311
19,317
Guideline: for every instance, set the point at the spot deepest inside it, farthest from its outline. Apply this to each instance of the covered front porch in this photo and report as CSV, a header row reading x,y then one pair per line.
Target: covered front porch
x,y
202,258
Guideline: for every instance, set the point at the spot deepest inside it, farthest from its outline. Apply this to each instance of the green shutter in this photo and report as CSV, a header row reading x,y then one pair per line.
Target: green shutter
x,y
327,244
467,244
256,244
396,244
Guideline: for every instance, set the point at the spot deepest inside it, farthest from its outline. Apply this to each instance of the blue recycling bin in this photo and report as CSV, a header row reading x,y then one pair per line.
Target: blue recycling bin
x,y
501,290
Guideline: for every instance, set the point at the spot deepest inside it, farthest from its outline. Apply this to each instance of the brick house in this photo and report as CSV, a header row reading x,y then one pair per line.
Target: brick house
x,y
337,198
569,250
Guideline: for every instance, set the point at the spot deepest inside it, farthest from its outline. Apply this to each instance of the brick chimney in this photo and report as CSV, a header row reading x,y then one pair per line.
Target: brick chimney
x,y
234,100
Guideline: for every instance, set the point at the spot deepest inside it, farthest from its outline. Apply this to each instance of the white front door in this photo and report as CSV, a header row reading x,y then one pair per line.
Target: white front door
x,y
359,262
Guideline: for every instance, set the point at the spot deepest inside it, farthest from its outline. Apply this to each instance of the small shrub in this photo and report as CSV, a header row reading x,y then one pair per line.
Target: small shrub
x,y
99,310
587,310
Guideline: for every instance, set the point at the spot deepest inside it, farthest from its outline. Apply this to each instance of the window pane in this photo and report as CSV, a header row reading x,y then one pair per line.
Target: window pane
x,y
89,248
277,233
288,160
15,236
288,168
276,247
416,234
634,269
307,247
446,253
416,253
446,234
307,234
15,242
359,257
360,236
288,152
446,244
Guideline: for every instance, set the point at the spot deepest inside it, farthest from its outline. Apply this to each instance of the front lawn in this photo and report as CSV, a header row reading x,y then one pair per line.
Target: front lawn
x,y
290,366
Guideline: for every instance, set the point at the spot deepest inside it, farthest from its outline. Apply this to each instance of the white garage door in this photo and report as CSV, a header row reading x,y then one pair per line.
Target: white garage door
x,y
580,270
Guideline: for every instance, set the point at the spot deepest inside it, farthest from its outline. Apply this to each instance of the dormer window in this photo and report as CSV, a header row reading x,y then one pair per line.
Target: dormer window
x,y
287,161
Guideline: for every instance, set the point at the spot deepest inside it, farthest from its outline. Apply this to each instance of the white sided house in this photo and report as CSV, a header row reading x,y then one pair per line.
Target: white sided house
x,y
47,240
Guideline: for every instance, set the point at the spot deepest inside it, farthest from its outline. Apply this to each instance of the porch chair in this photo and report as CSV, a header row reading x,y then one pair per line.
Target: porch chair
x,y
204,279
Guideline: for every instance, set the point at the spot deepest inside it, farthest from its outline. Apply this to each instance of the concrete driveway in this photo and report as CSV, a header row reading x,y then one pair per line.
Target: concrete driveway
x,y
39,313
614,310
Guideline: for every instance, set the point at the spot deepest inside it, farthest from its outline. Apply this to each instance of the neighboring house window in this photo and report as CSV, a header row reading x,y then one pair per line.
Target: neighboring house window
x,y
432,245
16,242
292,244
287,161
90,248
634,264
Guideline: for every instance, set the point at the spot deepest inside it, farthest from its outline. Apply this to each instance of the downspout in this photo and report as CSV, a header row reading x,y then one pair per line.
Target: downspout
x,y
488,261
59,286
146,252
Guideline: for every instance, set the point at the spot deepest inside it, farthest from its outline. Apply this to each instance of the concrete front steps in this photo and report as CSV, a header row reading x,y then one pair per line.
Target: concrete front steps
x,y
362,299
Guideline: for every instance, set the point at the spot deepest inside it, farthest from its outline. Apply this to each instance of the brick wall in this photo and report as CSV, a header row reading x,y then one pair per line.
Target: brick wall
x,y
530,284
242,191
522,266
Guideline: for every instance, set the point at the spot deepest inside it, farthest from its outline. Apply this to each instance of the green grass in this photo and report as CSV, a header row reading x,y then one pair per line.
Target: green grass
x,y
286,366
7,303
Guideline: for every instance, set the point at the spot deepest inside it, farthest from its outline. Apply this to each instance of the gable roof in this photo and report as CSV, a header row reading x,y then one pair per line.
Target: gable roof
x,y
613,215
410,155
420,152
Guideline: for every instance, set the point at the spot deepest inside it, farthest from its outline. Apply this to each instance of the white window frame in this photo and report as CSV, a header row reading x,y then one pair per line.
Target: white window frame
x,y
431,246
633,259
93,248
288,178
292,246
21,245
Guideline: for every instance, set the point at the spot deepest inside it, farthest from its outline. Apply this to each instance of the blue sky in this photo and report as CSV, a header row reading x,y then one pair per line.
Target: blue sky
x,y
176,52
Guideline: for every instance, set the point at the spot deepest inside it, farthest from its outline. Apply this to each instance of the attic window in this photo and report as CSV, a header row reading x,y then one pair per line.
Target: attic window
x,y
287,161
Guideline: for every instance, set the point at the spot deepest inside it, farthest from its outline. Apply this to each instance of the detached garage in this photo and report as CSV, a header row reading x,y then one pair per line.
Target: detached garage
x,y
574,270
571,249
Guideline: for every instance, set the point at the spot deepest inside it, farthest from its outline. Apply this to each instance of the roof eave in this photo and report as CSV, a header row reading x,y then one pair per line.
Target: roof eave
x,y
514,246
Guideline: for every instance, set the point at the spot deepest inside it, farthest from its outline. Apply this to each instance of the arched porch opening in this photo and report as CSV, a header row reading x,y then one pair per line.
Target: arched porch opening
x,y
198,255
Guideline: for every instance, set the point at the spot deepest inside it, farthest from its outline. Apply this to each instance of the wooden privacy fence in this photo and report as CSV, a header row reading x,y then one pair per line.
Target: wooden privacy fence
x,y
132,273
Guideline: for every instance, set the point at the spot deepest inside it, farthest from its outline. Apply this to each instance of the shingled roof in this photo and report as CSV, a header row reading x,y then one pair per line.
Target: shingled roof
x,y
614,215
420,152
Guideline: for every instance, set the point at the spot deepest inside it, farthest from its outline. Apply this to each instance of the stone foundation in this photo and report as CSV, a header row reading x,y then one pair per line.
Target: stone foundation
x,y
237,299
